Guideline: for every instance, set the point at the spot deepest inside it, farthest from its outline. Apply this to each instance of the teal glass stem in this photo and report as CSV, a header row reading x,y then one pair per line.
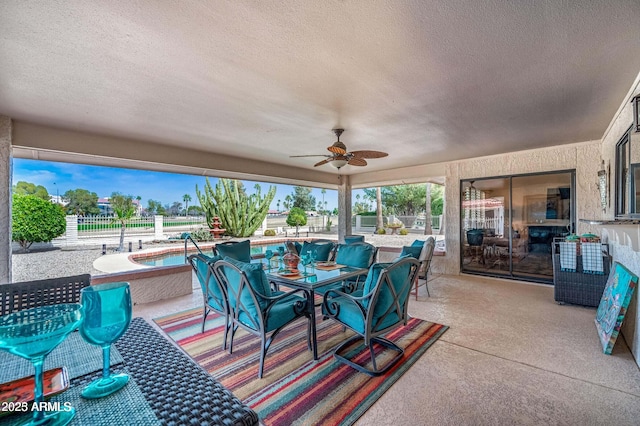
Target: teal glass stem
x,y
38,364
106,361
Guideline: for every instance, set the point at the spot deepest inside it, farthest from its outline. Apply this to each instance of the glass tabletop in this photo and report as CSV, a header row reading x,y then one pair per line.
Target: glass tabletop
x,y
315,277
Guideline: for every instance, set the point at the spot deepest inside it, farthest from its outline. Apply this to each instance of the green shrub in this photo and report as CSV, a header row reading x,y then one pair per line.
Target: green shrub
x,y
269,233
35,220
329,223
381,231
297,217
201,234
404,231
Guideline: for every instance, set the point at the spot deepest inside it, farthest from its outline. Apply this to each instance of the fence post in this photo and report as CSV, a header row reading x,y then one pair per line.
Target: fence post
x,y
72,229
158,223
358,222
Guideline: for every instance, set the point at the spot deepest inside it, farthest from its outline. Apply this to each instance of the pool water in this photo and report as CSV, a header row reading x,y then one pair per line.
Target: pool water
x,y
177,258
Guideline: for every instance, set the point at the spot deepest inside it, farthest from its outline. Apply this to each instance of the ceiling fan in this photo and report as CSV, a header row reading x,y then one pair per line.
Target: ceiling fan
x,y
340,157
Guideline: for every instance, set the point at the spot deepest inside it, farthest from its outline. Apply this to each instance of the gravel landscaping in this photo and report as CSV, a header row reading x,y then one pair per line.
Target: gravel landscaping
x,y
52,263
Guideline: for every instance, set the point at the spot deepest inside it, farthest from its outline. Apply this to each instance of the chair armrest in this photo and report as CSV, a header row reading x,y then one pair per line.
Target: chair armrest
x,y
332,308
274,299
299,306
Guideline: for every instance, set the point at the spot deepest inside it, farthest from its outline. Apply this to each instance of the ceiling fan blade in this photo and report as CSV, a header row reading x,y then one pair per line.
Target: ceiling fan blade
x,y
369,154
338,148
322,162
354,161
310,155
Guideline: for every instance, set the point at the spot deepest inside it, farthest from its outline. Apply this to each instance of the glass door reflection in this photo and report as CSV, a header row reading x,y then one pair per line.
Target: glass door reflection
x,y
485,219
542,210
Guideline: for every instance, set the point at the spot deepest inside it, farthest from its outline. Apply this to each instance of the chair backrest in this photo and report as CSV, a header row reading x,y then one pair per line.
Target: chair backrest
x,y
390,285
30,294
292,247
246,284
350,239
323,248
357,255
211,288
238,250
426,255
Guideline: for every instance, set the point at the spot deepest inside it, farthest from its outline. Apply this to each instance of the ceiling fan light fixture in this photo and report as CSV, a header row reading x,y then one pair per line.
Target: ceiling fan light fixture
x,y
340,157
339,163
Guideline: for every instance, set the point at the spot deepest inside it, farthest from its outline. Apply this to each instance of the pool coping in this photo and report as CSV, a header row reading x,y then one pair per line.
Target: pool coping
x,y
126,262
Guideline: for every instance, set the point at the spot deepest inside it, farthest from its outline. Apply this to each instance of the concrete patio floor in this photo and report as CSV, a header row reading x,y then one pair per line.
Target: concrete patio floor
x,y
511,356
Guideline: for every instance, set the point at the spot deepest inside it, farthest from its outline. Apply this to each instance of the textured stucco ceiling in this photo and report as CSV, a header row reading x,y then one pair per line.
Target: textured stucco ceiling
x,y
427,81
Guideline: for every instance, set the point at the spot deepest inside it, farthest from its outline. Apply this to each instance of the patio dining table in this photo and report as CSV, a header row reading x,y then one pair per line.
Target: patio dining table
x,y
315,278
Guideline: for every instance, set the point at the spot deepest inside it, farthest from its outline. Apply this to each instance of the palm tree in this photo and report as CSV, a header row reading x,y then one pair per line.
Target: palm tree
x,y
123,210
186,198
379,221
278,206
427,211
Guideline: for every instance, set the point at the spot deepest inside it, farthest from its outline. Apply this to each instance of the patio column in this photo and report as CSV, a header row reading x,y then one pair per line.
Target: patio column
x,y
5,198
344,208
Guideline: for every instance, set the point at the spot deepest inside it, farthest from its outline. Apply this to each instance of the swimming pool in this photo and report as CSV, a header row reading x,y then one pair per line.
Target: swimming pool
x,y
177,257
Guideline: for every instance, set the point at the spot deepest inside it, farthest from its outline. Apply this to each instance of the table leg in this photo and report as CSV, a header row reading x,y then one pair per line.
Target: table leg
x,y
312,313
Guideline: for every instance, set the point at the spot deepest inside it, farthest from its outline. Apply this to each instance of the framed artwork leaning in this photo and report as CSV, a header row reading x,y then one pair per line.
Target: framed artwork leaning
x,y
613,305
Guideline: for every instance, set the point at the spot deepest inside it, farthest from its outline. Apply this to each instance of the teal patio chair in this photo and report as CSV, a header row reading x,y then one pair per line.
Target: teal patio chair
x,y
426,255
238,250
254,307
373,312
350,239
213,293
356,255
324,249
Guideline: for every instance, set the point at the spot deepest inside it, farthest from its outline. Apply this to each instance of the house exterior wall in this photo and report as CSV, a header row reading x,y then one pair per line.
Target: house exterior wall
x,y
5,198
623,249
584,158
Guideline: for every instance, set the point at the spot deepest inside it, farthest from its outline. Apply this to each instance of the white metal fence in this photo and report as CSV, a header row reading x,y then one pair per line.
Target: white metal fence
x,y
103,226
366,223
158,227
106,226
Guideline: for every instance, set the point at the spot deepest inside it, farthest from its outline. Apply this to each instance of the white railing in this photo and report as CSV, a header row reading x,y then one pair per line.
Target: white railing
x,y
316,224
102,226
367,223
495,223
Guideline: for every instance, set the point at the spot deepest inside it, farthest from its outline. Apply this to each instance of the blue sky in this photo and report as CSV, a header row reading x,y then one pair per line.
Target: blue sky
x,y
164,187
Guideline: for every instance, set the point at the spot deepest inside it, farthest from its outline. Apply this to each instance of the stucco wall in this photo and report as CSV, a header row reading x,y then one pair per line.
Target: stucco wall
x,y
583,157
5,198
622,249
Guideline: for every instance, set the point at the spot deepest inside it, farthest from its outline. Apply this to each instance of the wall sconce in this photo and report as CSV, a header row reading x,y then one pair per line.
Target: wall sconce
x,y
603,186
636,112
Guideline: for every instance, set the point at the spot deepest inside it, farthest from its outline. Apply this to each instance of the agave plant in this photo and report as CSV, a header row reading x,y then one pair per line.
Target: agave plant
x,y
239,213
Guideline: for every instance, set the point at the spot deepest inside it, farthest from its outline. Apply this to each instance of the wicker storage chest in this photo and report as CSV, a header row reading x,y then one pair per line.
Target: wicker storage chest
x,y
579,288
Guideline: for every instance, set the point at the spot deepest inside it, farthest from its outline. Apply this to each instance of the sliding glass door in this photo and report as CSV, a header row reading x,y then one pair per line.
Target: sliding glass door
x,y
485,222
508,223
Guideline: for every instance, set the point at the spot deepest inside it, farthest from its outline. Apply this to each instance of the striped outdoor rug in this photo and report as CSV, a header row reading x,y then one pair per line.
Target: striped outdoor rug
x,y
295,389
